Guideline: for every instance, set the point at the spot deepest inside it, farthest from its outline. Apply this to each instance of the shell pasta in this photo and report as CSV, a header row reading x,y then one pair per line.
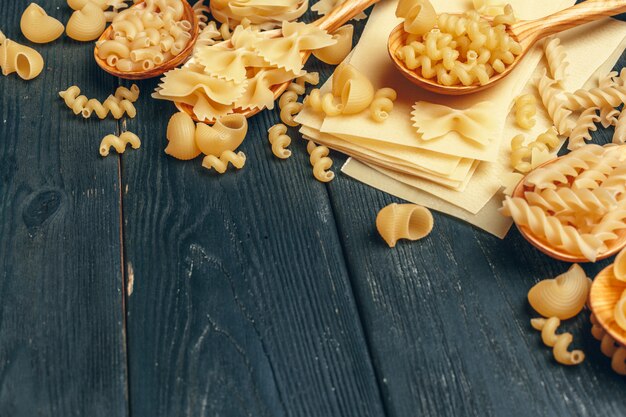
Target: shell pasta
x,y
38,27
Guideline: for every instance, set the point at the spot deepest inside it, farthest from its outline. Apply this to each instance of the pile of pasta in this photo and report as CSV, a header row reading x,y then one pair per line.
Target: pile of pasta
x,y
241,74
575,203
146,35
262,14
455,49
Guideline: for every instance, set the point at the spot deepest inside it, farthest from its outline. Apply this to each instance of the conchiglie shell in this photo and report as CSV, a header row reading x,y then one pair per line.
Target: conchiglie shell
x,y
335,54
180,133
563,297
86,24
38,27
355,90
79,4
404,221
226,134
619,267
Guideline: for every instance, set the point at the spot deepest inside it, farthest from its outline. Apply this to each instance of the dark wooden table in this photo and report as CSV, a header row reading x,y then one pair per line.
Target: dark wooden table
x,y
145,286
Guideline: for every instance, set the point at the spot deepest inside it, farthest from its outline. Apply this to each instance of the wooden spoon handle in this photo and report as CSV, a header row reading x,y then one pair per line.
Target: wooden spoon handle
x,y
578,14
341,14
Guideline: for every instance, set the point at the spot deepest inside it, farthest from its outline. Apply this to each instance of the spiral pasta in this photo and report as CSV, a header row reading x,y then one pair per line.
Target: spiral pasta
x,y
611,96
119,143
556,58
279,140
238,160
523,157
585,124
320,161
80,104
382,104
620,129
573,200
288,111
525,110
559,342
609,347
555,106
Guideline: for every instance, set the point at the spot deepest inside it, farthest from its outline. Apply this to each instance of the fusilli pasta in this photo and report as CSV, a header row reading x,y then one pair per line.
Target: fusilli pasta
x,y
553,103
585,124
238,160
556,58
320,161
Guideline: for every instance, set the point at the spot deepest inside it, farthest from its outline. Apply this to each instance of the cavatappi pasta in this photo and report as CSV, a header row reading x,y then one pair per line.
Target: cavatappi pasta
x,y
86,24
279,140
116,105
238,160
404,221
452,49
525,110
527,157
562,297
320,162
575,203
559,342
146,36
382,104
119,143
38,27
15,57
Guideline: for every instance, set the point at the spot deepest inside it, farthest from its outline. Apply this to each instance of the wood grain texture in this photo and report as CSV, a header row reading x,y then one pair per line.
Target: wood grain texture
x,y
61,335
447,319
241,303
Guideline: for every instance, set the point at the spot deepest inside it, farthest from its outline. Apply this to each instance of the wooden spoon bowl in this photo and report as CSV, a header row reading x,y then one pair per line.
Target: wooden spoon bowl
x,y
527,33
170,64
606,291
558,253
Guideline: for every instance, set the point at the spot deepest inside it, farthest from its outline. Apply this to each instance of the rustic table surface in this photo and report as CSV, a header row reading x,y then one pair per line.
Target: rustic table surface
x,y
140,285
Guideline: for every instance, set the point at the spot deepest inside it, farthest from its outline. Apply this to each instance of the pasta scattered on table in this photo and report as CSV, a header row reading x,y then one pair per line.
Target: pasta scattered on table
x,y
403,221
119,143
525,110
280,141
117,105
15,57
38,27
559,342
320,161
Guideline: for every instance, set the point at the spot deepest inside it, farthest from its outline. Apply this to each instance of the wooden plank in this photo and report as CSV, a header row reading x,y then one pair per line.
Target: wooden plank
x,y
61,319
448,322
241,302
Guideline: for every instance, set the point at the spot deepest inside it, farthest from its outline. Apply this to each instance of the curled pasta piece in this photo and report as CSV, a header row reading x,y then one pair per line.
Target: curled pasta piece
x,y
382,104
287,97
559,342
585,124
609,347
525,110
562,297
611,96
323,104
573,200
123,93
554,104
419,16
620,129
556,58
181,132
38,27
86,107
320,161
404,221
119,143
354,89
288,111
335,54
238,160
86,24
279,140
506,18
226,134
15,57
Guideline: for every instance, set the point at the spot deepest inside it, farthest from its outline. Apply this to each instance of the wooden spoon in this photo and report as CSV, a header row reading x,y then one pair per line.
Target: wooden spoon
x,y
330,23
525,32
172,63
605,292
558,253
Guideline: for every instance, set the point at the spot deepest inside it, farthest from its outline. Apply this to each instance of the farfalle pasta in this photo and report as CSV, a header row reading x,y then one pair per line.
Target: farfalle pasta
x,y
279,140
15,57
38,27
260,13
559,342
404,221
119,143
453,49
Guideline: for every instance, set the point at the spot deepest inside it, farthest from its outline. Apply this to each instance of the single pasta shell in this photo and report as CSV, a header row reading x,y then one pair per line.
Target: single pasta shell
x,y
404,221
619,267
335,54
79,4
180,133
342,75
28,63
563,297
86,24
38,27
226,134
357,95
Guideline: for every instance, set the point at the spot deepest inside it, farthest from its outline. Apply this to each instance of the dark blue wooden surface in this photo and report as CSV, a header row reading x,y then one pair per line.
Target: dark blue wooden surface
x,y
258,293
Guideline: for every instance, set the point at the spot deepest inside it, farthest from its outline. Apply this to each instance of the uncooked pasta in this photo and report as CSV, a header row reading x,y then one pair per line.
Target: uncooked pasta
x,y
525,110
86,24
80,104
15,57
559,342
562,297
403,221
335,54
237,160
38,27
119,143
279,140
585,124
320,161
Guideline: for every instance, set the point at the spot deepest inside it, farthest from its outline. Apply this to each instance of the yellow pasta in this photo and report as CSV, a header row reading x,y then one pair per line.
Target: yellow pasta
x,y
226,134
86,24
562,297
323,7
556,58
609,347
265,15
320,161
279,140
382,104
15,57
335,54
419,16
354,90
555,106
80,104
525,110
489,7
119,143
507,17
38,27
181,137
559,342
404,221
238,160
288,111
585,124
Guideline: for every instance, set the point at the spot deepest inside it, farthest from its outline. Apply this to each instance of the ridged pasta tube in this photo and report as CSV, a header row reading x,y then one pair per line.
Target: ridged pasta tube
x,y
15,57
403,221
279,140
119,143
559,342
227,134
238,160
419,15
320,161
525,110
580,133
